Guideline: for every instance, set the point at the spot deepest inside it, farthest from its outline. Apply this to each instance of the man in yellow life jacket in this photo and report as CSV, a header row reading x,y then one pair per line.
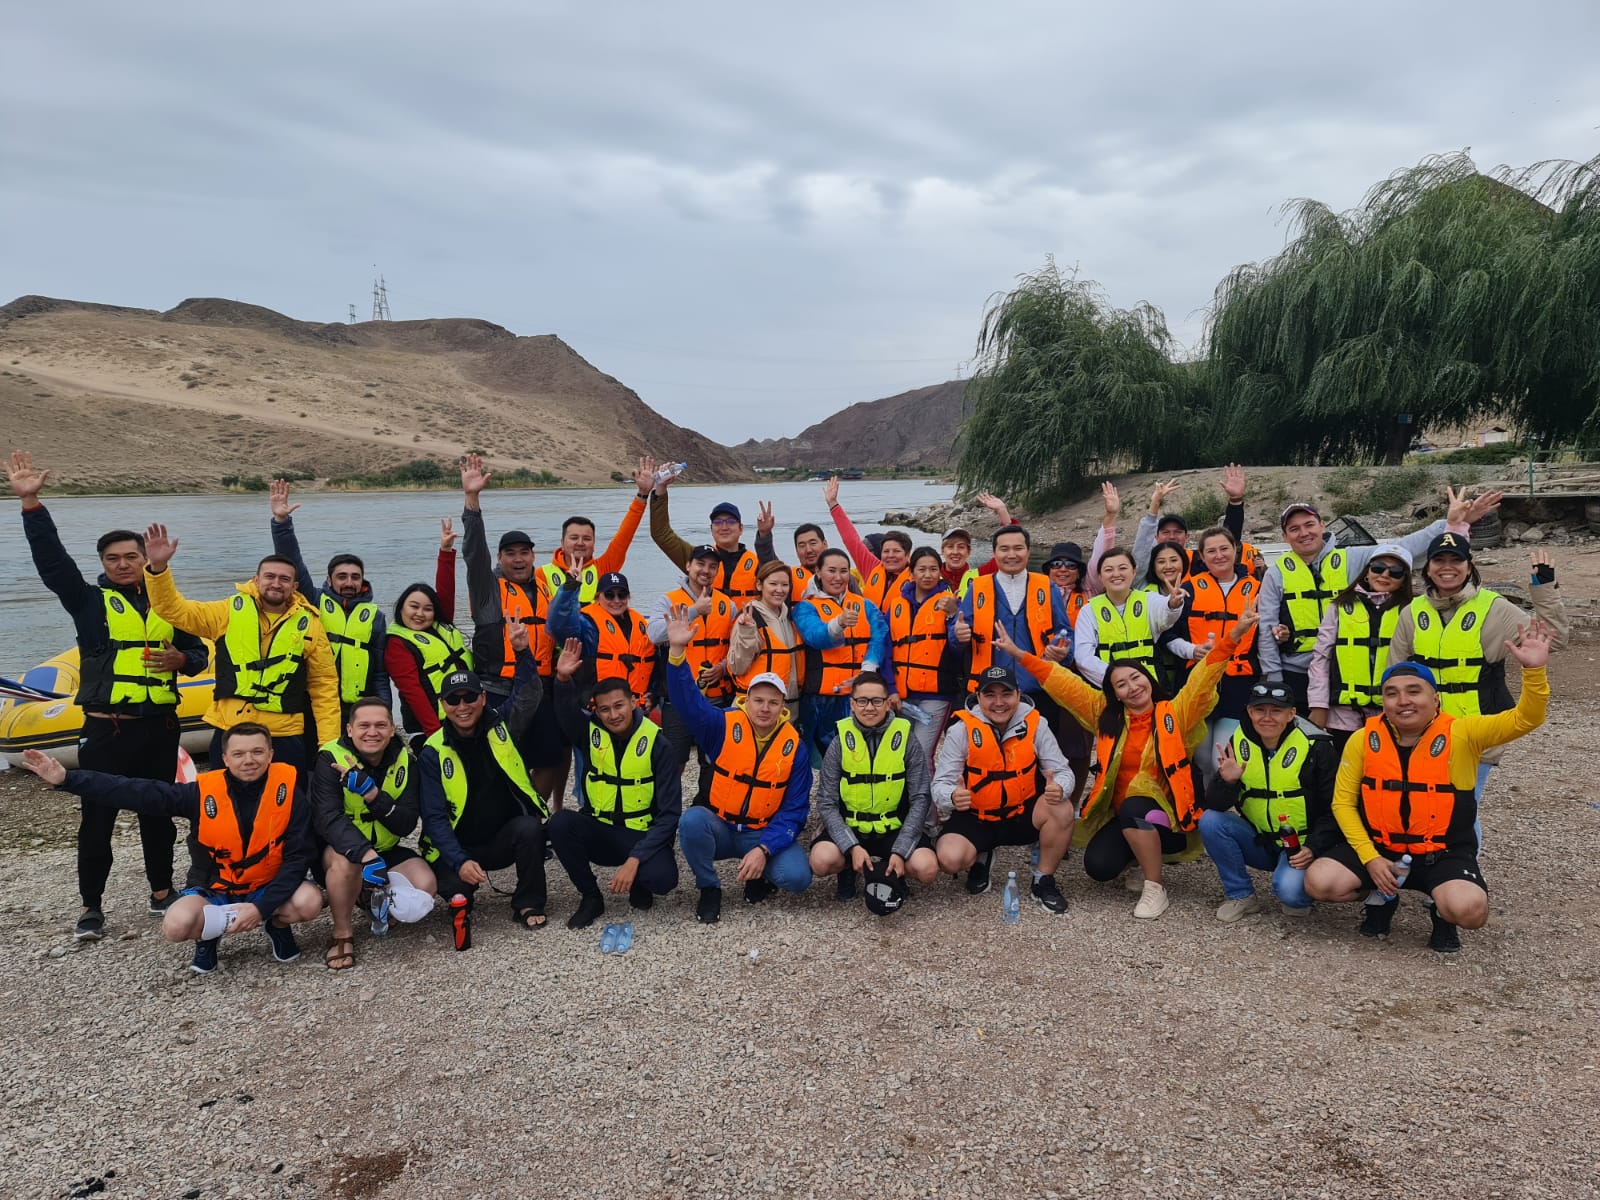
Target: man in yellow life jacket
x,y
1404,797
481,811
273,665
129,660
1001,772
760,792
1274,785
630,795
364,798
352,620
875,798
249,841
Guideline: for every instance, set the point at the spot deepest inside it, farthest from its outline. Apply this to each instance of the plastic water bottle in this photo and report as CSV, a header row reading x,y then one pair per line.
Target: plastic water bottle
x,y
668,471
624,938
608,939
382,898
1011,900
1402,871
914,712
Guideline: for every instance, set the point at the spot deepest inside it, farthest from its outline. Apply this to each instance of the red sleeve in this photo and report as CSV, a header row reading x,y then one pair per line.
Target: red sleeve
x,y
444,583
616,553
990,567
402,668
866,561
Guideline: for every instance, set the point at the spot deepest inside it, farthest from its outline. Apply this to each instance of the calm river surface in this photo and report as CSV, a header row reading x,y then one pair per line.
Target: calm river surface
x,y
397,535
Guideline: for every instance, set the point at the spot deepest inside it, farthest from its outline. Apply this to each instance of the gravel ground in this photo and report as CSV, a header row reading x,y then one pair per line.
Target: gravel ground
x,y
935,1053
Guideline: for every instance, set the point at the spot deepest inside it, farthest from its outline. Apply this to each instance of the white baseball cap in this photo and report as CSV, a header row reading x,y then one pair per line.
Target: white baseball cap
x,y
774,680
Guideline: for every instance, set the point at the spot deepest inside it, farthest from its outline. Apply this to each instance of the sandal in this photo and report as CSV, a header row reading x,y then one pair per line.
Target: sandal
x,y
341,954
529,919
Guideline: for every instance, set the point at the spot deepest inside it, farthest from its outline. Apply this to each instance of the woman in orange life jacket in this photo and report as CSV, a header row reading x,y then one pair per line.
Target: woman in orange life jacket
x,y
1065,566
1218,591
1145,804
764,639
928,671
1384,588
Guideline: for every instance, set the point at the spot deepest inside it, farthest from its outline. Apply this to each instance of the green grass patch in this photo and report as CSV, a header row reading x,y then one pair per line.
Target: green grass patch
x,y
1494,452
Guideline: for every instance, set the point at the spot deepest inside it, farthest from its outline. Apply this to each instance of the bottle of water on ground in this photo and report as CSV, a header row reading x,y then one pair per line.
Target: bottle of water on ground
x,y
1011,900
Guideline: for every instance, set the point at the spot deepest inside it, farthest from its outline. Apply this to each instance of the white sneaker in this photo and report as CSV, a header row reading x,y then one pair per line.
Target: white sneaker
x,y
1152,901
1230,911
1134,879
1303,911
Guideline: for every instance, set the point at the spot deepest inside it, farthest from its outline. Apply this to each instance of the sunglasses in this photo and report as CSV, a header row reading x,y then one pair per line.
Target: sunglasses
x,y
459,698
1259,693
615,594
1393,571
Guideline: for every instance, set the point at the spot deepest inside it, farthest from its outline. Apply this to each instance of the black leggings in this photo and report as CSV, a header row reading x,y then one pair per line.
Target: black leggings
x,y
1108,854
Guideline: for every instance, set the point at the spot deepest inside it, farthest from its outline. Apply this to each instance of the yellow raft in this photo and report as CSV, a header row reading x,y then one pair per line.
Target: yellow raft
x,y
54,725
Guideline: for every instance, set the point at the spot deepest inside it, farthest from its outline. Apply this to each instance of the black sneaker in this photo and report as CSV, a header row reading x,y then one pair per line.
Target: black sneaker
x,y
91,926
591,906
1377,918
757,890
978,874
1048,894
284,948
158,908
640,897
847,885
205,956
1444,939
709,910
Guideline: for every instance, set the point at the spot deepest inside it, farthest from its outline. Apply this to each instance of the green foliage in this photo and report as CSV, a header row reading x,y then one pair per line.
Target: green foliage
x,y
1203,509
1397,488
245,483
1494,452
1066,385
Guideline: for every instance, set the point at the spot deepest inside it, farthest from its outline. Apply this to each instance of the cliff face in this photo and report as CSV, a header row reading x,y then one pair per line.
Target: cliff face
x,y
217,387
914,429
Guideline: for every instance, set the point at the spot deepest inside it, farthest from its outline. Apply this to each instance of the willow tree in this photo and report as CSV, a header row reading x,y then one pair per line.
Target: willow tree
x,y
1446,297
1066,384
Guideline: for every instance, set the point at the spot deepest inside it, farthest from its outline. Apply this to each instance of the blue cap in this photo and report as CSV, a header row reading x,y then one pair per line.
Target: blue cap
x,y
727,510
1411,668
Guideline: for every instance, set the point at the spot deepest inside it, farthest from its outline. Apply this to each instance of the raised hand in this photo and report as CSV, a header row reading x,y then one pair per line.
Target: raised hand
x,y
746,617
764,518
1159,494
570,659
1204,649
26,482
1229,767
680,626
45,767
1176,596
947,602
1248,619
963,631
278,497
830,491
159,548
1052,793
1481,506
1531,646
447,534
1542,570
997,506
644,475
517,632
850,617
1233,481
473,477
1112,499
1001,640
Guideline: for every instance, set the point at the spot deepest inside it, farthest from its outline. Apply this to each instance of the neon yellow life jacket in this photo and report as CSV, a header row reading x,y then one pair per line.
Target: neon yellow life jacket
x,y
622,794
393,785
872,785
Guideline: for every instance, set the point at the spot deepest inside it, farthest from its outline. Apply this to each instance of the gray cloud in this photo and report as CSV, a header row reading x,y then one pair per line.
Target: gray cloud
x,y
754,218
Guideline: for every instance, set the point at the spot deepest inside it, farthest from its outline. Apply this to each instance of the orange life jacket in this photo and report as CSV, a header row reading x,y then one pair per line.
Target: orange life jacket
x,y
1212,615
1074,602
240,869
879,587
631,657
1178,772
920,634
739,585
1036,607
1250,561
1408,805
747,785
798,578
830,672
1002,774
712,633
773,656
519,604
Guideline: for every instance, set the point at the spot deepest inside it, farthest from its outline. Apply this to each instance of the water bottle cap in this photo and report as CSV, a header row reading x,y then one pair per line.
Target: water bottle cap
x,y
1011,875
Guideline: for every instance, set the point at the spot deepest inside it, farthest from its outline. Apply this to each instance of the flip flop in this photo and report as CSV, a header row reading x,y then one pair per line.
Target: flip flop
x,y
341,950
529,919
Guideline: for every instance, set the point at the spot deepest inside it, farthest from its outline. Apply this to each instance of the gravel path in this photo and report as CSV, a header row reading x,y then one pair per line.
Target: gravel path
x,y
935,1053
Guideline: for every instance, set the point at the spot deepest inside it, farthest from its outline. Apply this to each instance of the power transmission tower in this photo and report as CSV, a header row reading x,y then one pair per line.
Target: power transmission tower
x,y
380,300
352,314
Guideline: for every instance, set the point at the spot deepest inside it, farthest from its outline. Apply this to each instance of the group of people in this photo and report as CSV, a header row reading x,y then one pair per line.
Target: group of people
x,y
1144,704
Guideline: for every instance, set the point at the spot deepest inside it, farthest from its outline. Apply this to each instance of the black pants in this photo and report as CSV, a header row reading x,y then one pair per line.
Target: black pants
x,y
682,741
1108,854
1299,685
142,748
519,843
579,841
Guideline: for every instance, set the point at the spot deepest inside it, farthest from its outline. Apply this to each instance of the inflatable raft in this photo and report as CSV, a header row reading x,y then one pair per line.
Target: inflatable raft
x,y
37,712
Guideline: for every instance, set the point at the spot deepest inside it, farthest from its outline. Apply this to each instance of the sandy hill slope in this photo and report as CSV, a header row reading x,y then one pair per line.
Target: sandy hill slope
x,y
914,429
127,397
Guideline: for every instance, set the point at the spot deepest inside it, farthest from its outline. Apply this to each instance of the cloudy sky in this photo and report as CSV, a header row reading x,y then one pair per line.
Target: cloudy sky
x,y
753,217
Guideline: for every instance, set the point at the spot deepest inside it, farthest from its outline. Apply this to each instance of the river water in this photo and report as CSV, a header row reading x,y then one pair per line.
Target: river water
x,y
396,534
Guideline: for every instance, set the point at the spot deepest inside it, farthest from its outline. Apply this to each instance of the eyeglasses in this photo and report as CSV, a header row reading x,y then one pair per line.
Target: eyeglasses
x,y
456,699
615,594
869,701
1394,571
723,523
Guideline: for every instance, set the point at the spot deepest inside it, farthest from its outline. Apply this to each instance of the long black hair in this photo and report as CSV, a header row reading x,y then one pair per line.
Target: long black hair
x,y
433,598
1150,564
1113,716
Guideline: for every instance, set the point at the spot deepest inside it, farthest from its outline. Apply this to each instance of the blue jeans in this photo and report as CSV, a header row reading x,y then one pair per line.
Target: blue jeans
x,y
1230,840
706,837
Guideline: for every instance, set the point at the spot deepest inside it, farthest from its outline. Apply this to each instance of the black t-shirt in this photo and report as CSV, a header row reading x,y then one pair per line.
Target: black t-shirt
x,y
490,802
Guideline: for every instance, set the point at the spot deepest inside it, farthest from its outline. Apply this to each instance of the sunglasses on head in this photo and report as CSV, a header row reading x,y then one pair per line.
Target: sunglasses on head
x,y
1392,570
1268,692
614,594
462,697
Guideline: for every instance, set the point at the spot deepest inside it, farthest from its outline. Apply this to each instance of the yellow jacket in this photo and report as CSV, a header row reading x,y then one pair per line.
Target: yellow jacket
x,y
209,619
1469,738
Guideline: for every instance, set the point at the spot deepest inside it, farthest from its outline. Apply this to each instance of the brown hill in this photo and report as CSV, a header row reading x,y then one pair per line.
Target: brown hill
x,y
914,429
127,397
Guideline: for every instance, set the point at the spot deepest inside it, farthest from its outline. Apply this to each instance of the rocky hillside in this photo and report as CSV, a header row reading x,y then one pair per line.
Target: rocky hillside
x,y
914,429
125,397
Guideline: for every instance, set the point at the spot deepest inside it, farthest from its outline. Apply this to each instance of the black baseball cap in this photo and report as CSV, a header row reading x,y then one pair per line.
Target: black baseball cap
x,y
610,580
702,552
1450,543
727,510
1004,676
1065,552
1172,519
884,893
1270,693
460,681
515,537
1299,506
